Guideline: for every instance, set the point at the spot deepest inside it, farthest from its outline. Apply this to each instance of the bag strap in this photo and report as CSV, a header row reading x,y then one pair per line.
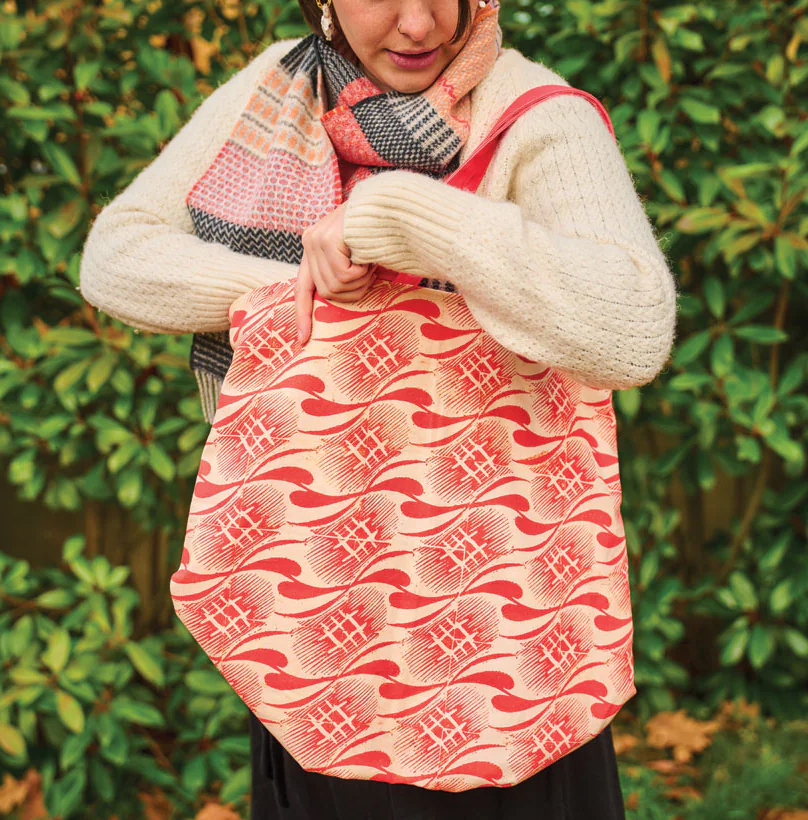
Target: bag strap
x,y
469,175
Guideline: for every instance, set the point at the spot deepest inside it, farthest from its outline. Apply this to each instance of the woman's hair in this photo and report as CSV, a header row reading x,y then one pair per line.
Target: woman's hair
x,y
312,15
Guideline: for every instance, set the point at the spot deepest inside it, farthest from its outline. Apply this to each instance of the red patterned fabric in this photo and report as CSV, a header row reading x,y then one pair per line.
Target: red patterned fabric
x,y
405,550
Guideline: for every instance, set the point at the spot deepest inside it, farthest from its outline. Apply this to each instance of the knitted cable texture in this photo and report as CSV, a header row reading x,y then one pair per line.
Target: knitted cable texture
x,y
555,256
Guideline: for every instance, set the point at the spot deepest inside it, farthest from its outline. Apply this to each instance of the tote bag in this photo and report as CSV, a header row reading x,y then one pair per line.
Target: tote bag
x,y
404,550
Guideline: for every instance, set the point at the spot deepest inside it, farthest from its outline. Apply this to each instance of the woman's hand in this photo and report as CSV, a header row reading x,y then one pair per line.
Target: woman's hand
x,y
327,268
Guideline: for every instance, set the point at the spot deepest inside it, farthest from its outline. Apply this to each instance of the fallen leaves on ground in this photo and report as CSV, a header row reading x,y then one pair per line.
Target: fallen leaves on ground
x,y
623,742
684,734
156,805
215,811
24,796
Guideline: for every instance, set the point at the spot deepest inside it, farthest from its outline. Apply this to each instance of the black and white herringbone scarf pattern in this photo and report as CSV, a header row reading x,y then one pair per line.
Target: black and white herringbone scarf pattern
x,y
280,169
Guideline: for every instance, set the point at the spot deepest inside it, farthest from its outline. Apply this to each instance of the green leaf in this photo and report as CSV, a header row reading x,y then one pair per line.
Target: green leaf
x,y
85,72
65,795
117,577
70,711
725,597
690,381
772,557
792,378
781,596
81,569
25,675
690,40
129,487
761,645
123,455
629,401
786,257
100,371
648,122
649,567
671,185
73,548
796,641
714,296
11,740
61,162
101,780
705,472
71,375
722,356
236,786
672,458
114,744
136,712
74,748
207,682
145,663
69,336
762,334
743,590
109,433
779,440
63,221
235,745
756,304
699,111
160,461
734,649
690,350
194,774
58,650
192,436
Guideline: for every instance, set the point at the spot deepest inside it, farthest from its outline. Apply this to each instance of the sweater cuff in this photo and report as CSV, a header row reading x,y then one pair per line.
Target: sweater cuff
x,y
405,221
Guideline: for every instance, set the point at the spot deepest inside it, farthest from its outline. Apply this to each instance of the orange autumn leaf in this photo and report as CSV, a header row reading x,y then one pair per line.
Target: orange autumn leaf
x,y
23,795
623,742
739,710
156,806
683,793
676,730
785,814
215,811
671,767
12,793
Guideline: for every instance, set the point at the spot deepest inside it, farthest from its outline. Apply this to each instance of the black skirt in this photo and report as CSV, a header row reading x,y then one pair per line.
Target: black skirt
x,y
583,785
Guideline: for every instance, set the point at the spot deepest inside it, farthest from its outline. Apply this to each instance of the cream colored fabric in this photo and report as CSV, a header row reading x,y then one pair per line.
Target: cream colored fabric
x,y
555,255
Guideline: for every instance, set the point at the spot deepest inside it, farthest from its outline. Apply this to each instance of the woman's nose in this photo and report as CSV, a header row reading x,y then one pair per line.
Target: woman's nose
x,y
415,21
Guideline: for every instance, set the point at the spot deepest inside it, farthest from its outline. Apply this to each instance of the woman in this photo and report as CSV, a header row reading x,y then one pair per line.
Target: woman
x,y
323,158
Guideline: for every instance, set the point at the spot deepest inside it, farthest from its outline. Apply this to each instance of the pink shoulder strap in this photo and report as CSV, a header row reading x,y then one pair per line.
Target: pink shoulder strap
x,y
469,175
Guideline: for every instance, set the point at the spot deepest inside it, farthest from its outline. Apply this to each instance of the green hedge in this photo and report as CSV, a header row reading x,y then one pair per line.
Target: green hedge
x,y
708,104
102,716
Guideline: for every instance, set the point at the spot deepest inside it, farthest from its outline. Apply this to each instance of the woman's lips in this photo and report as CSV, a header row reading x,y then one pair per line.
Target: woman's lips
x,y
413,60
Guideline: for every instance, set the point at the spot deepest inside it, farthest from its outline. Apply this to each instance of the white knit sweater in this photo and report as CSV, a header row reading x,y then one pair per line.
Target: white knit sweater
x,y
555,255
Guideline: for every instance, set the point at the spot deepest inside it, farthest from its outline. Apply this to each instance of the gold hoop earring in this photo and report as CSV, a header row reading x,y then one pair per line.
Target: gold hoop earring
x,y
326,21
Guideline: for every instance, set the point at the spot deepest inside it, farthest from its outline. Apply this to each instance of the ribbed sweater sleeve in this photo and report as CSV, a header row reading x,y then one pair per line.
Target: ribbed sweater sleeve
x,y
142,263
564,270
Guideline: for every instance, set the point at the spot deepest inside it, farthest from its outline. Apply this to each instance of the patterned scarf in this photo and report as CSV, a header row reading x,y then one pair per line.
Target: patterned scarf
x,y
315,126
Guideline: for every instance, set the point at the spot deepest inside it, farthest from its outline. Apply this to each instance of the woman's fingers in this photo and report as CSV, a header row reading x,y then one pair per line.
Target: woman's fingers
x,y
339,279
304,300
356,294
325,268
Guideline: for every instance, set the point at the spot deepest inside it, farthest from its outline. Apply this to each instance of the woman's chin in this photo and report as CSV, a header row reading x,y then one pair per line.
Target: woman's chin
x,y
407,81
